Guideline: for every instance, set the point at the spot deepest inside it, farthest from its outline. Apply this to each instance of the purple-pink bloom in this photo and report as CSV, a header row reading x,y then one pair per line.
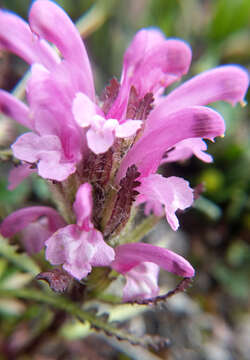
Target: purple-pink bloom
x,y
173,192
79,246
63,110
135,261
101,131
72,131
36,223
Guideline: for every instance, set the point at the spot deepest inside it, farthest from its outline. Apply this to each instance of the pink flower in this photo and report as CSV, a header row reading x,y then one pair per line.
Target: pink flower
x,y
101,132
37,224
140,263
80,246
77,247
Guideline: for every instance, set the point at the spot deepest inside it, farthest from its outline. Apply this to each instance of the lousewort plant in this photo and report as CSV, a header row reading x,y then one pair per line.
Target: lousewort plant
x,y
100,155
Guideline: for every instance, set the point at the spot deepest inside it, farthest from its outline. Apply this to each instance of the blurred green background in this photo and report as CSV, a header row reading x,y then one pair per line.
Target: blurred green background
x,y
217,228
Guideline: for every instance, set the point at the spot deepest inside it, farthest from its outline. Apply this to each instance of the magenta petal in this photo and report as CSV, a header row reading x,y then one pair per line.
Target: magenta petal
x,y
141,282
128,256
186,148
225,83
49,21
16,37
19,219
14,108
173,192
151,61
34,235
57,119
83,206
18,174
192,122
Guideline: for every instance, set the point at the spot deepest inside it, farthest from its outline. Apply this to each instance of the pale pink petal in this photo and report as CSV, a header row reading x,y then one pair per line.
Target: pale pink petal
x,y
50,166
187,148
83,206
84,109
78,250
27,147
128,128
192,122
18,174
16,37
14,108
19,219
173,192
104,254
225,83
128,256
30,146
49,21
100,141
47,152
141,282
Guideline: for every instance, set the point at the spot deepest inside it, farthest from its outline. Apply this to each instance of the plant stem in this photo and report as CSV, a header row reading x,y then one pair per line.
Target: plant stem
x,y
67,306
141,230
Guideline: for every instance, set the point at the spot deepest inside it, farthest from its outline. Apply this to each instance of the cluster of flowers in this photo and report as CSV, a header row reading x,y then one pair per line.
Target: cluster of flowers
x,y
103,154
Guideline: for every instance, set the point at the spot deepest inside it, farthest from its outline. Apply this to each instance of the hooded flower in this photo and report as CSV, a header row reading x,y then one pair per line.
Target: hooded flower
x,y
36,224
140,264
77,247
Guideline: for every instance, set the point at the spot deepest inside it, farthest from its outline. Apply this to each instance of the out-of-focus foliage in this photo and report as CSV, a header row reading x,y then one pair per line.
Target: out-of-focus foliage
x,y
217,228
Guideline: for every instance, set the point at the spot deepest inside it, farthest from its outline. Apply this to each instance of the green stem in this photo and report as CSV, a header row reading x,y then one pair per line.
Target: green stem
x,y
94,17
62,303
141,230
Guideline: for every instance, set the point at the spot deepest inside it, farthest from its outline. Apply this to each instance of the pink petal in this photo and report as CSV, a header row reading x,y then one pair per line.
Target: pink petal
x,y
34,236
151,61
50,95
51,167
16,37
128,256
19,219
14,108
187,148
48,152
150,64
225,83
141,282
83,206
18,174
192,122
99,141
128,128
173,192
49,21
78,250
104,254
84,109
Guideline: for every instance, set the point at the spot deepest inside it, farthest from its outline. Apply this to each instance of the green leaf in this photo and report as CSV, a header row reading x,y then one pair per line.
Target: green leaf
x,y
22,261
